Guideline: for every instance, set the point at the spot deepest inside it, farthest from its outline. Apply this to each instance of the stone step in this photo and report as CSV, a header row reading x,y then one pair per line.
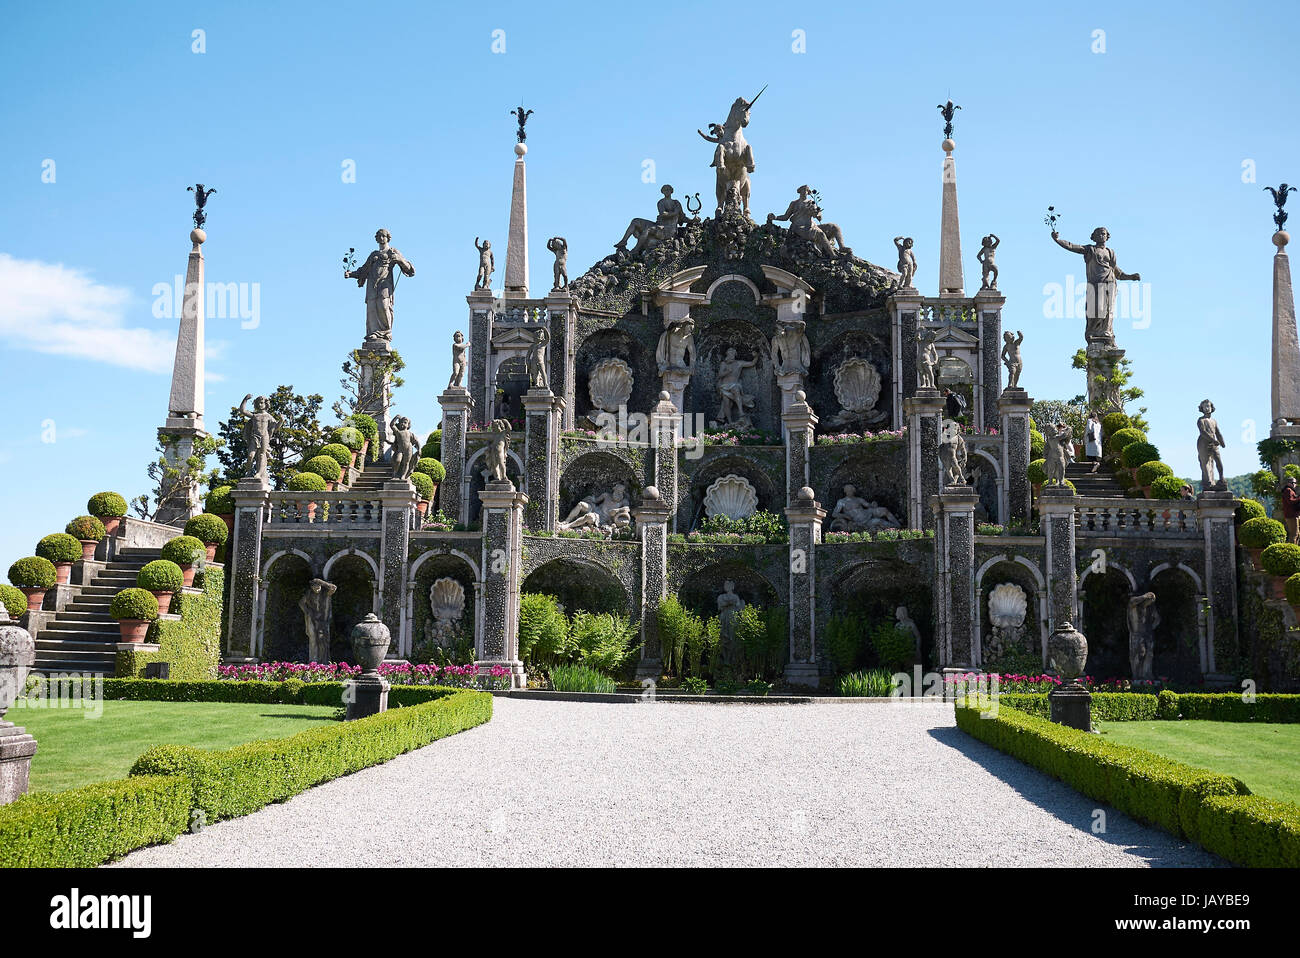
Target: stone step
x,y
104,667
57,629
74,645
72,614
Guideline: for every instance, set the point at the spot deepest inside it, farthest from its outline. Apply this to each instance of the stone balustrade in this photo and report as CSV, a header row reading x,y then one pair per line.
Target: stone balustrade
x,y
948,310
342,509
1136,517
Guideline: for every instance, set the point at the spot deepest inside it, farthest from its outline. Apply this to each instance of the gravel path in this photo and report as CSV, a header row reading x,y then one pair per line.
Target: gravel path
x,y
558,783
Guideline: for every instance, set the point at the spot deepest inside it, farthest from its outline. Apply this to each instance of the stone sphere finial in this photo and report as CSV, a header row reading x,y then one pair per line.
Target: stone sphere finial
x,y
949,146
1281,238
663,396
197,237
520,149
650,492
806,494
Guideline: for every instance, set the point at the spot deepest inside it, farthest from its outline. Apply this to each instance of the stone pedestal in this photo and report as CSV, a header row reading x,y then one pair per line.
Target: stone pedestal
x,y
988,306
1013,424
805,516
563,318
455,402
180,490
244,559
371,355
651,518
542,412
924,411
503,524
16,751
1215,512
800,424
789,384
1056,516
954,512
366,695
397,501
675,382
1071,705
1102,360
905,308
481,310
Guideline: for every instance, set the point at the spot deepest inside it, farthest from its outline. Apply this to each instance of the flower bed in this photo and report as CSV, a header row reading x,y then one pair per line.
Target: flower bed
x,y
857,438
397,673
884,535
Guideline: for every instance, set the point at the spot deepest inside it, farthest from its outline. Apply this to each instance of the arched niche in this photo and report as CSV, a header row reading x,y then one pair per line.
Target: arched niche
x,y
1103,598
1029,655
826,360
1178,636
357,595
874,478
615,344
700,592
734,464
426,645
580,584
284,630
594,473
750,345
869,593
476,479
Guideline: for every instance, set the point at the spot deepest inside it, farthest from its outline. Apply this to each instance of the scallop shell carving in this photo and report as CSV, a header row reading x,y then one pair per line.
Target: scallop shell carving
x,y
1007,606
731,496
857,385
447,599
610,384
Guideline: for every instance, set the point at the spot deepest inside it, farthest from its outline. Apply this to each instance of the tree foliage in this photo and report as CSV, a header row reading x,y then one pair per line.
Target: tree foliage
x,y
298,437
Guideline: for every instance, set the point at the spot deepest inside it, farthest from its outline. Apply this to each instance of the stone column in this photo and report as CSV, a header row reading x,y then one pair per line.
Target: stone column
x,y
244,566
988,306
455,402
665,429
1013,423
397,500
481,307
542,411
805,516
924,412
954,511
1101,362
905,306
375,384
1056,515
800,423
503,525
652,529
1215,512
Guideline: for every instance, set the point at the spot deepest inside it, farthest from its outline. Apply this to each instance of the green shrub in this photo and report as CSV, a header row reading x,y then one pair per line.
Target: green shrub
x,y
219,501
1149,472
1230,707
85,528
1248,509
1125,480
431,468
365,425
348,436
15,602
1113,422
239,780
1139,454
1261,532
433,445
679,628
1281,558
1124,437
1167,705
207,528
134,604
252,692
1165,487
338,452
1037,443
33,572
1264,483
693,685
184,550
1037,472
843,637
306,482
873,683
603,640
424,487
895,647
580,678
106,505
543,629
324,466
160,575
86,827
1106,706
1251,830
59,547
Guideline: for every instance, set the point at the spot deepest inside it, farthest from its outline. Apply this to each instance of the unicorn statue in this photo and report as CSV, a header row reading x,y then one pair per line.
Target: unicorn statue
x,y
733,158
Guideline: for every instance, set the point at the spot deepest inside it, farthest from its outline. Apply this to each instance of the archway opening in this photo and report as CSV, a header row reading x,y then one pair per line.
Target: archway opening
x,y
284,631
1105,598
353,600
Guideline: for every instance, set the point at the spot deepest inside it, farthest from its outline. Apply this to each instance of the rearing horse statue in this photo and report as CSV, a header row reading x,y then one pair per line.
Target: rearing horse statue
x,y
733,158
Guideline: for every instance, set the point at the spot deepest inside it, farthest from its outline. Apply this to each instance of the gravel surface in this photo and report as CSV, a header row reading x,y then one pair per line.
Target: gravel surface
x,y
559,783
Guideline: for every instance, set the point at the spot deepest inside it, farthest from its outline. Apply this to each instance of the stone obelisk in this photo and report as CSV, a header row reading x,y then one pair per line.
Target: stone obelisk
x,y
950,272
1286,346
517,242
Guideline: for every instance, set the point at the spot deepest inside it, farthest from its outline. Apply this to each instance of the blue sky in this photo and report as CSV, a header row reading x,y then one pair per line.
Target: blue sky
x,y
1148,138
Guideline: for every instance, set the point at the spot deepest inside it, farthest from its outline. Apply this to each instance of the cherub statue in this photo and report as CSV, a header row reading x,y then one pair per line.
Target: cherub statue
x,y
560,247
927,359
952,454
458,349
537,375
257,434
498,451
987,246
406,448
1208,442
486,264
906,262
1011,356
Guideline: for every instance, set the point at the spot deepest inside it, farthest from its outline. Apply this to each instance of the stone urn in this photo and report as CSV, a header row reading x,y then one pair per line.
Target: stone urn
x,y
17,654
1067,652
370,641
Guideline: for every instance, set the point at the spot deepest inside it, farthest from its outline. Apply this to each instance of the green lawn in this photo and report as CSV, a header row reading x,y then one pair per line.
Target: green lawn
x,y
74,749
1266,757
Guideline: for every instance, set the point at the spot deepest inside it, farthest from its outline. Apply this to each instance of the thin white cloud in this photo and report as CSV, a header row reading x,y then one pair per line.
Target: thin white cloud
x,y
52,308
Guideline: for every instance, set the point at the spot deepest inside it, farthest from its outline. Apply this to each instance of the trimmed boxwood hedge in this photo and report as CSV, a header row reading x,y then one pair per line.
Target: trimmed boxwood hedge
x,y
290,692
33,572
190,644
106,505
134,604
306,482
1248,509
1106,706
348,436
1149,472
1137,454
208,528
1281,558
15,602
1251,830
219,501
338,452
160,575
184,550
365,425
1164,487
85,527
423,485
327,467
1260,533
1292,587
1145,707
59,547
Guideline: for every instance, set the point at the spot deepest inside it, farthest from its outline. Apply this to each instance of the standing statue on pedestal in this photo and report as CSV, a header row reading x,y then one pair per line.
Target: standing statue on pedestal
x,y
733,159
458,349
378,276
257,435
315,605
802,215
1208,442
1142,621
498,451
676,349
729,652
1011,356
952,454
560,247
736,403
1058,442
486,264
985,256
537,375
1103,271
906,262
406,448
927,359
906,623
790,350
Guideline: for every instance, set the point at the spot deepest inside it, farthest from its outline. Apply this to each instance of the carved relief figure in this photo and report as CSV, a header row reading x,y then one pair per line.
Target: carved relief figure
x,y
790,350
927,359
315,605
1208,442
651,233
260,425
560,247
605,512
378,274
458,350
733,159
676,349
906,262
857,386
1142,621
1103,271
985,256
1011,356
486,264
736,403
406,448
852,513
446,605
1008,607
609,384
802,215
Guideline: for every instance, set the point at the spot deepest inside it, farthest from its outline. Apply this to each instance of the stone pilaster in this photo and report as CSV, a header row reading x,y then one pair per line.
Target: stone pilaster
x,y
180,491
1101,362
481,311
1013,424
517,242
988,306
455,402
905,307
652,529
1215,512
503,526
563,348
954,512
800,422
1056,515
805,516
924,411
542,412
397,501
950,271
244,566
665,430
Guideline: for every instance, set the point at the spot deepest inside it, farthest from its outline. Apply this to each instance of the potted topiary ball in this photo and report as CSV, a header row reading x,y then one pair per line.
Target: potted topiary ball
x,y
369,430
186,552
424,489
1037,473
1281,561
325,467
62,550
1292,590
164,579
348,436
307,482
434,470
208,529
109,508
15,602
1165,487
88,531
33,577
1258,534
221,504
340,453
1248,509
134,610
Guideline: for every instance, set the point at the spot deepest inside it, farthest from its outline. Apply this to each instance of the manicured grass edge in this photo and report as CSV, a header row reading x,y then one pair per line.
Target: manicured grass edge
x,y
172,788
1145,707
1216,811
290,692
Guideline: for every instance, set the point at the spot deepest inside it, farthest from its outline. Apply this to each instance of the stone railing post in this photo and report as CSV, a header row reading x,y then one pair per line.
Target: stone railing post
x,y
244,566
455,402
1215,513
652,529
542,412
924,412
954,512
800,424
805,516
503,528
1013,408
397,502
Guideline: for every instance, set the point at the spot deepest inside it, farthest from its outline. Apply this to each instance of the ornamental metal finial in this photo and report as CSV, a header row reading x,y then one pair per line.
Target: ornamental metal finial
x,y
200,200
1279,197
522,116
948,110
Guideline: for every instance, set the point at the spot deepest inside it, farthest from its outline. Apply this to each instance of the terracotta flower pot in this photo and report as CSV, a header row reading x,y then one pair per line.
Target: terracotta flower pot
x,y
35,598
111,523
433,497
422,507
63,571
187,573
211,548
361,455
133,630
229,520
88,547
1277,586
164,601
353,463
311,512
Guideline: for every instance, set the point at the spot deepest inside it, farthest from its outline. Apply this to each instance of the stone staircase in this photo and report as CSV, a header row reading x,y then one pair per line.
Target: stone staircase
x,y
1101,484
372,478
82,636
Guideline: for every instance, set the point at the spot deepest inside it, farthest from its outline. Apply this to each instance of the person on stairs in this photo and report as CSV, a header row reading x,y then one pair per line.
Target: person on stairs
x,y
1092,440
1290,509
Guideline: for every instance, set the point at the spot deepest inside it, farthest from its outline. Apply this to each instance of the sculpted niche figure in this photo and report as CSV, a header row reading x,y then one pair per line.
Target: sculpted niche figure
x,y
733,159
606,511
736,403
852,513
907,624
729,606
377,275
258,428
676,349
906,262
315,605
651,233
1103,271
1142,621
927,359
406,448
458,350
1208,442
538,378
802,215
560,247
1011,356
790,350
486,264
